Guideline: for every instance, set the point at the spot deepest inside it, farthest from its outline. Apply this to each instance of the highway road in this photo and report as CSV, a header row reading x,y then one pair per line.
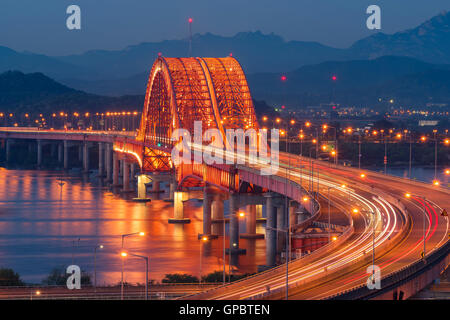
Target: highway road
x,y
398,242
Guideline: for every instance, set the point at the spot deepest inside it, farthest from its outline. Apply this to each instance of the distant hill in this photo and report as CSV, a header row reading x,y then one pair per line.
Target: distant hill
x,y
429,42
35,91
359,82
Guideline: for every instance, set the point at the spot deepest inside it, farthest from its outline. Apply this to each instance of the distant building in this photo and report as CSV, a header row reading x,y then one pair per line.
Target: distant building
x,y
427,123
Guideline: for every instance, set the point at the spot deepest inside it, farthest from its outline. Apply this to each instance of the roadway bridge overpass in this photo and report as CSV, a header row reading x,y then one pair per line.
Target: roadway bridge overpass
x,y
384,225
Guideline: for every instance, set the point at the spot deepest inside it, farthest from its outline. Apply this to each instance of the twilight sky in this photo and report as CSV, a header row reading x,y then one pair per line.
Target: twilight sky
x,y
40,25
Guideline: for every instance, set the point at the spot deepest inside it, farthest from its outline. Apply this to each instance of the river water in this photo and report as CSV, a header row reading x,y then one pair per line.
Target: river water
x,y
44,225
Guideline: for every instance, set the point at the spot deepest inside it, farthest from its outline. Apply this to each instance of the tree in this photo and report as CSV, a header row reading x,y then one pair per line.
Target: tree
x,y
58,277
9,278
179,278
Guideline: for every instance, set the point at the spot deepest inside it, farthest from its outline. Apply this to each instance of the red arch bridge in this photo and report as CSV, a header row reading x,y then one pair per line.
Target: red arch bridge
x,y
405,237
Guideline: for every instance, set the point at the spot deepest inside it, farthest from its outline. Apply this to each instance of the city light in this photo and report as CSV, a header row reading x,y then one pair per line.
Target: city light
x,y
308,124
408,195
447,171
123,254
334,238
436,182
355,210
362,175
241,214
204,238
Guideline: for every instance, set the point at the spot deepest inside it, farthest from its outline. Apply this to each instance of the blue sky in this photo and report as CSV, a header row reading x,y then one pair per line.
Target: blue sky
x,y
39,26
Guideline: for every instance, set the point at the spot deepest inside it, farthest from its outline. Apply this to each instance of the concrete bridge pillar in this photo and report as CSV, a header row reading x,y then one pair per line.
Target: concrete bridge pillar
x,y
132,171
281,225
108,162
100,159
271,234
293,211
142,180
178,198
9,142
66,155
156,186
60,152
126,175
86,157
115,173
217,215
39,153
234,224
207,201
251,223
172,188
259,214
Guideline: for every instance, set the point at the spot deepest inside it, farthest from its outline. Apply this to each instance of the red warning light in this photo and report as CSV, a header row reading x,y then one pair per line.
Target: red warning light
x,y
282,107
283,78
190,20
334,78
231,54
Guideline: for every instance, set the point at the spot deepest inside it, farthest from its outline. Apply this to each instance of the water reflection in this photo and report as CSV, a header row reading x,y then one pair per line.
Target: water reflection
x,y
44,225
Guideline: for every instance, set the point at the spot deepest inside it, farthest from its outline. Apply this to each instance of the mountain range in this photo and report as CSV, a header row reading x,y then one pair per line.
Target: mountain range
x,y
101,71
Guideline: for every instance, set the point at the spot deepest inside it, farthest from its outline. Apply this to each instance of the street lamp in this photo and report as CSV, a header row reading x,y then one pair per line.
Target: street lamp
x,y
409,195
329,209
124,254
95,264
204,239
240,215
355,210
141,233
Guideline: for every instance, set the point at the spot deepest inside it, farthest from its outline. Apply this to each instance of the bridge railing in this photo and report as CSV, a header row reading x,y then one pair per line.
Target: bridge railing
x,y
393,279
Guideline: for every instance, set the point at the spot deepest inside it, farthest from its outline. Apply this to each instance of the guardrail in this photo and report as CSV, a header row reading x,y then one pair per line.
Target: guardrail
x,y
398,277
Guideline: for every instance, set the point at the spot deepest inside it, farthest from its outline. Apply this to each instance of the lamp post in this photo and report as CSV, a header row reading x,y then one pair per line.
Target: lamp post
x,y
409,195
203,239
123,236
373,237
240,215
125,254
95,265
329,209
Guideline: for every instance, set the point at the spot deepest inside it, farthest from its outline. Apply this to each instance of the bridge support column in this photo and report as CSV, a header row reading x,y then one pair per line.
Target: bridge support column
x,y
142,181
281,225
207,203
115,173
271,234
108,162
217,215
39,153
234,224
60,152
172,187
126,175
86,157
100,159
66,155
178,212
259,214
132,172
9,142
250,221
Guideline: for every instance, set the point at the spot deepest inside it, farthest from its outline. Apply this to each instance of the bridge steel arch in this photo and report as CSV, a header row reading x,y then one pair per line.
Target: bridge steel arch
x,y
181,91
